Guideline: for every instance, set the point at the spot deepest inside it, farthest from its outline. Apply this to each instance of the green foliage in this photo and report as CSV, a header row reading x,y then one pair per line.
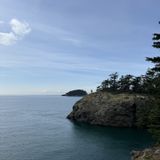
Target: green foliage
x,y
125,83
144,84
154,116
110,84
156,38
113,81
155,60
154,120
138,84
142,113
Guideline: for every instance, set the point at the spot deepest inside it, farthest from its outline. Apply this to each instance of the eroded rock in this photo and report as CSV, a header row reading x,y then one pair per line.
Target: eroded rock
x,y
147,154
101,108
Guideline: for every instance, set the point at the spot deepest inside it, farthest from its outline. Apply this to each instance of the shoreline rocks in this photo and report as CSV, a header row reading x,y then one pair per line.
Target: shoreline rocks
x,y
147,154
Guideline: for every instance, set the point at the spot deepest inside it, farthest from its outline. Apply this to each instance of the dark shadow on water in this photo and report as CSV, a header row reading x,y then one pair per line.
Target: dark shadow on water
x,y
125,137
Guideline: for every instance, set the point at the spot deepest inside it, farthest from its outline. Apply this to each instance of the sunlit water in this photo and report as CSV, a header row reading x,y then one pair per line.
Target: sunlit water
x,y
36,128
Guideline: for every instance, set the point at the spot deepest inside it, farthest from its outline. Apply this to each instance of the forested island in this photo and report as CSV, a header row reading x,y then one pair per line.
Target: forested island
x,y
77,92
127,101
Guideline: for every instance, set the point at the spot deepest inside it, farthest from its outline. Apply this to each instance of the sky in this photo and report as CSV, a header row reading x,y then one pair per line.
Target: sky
x,y
53,46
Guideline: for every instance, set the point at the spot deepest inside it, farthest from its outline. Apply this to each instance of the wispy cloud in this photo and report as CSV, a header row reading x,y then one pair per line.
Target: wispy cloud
x,y
60,34
72,40
70,63
7,38
18,30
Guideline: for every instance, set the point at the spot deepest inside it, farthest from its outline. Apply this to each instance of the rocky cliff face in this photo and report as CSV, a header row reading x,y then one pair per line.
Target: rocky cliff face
x,y
101,108
147,154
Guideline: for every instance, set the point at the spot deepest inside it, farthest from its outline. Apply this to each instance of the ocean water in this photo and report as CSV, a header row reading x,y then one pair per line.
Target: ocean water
x,y
36,128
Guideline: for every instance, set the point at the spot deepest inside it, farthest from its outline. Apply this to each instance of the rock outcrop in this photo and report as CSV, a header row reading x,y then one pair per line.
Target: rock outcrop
x,y
101,108
147,154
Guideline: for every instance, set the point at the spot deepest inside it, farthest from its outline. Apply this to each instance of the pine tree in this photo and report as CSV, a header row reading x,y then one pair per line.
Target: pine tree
x,y
113,81
156,44
155,113
125,83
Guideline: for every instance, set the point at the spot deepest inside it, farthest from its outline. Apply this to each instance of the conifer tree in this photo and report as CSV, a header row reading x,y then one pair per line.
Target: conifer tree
x,y
155,112
155,60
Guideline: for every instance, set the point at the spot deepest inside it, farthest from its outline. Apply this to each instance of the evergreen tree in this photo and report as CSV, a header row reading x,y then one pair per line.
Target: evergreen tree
x,y
156,39
110,84
148,82
155,114
137,84
155,60
113,81
125,83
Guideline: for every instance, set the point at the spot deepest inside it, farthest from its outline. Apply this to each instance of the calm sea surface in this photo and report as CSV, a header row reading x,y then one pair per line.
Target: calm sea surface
x,y
36,128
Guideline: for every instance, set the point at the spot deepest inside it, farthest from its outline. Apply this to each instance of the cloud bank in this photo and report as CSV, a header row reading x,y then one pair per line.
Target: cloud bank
x,y
18,30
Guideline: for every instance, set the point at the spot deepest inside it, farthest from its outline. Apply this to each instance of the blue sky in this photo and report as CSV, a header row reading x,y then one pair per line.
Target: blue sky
x,y
52,46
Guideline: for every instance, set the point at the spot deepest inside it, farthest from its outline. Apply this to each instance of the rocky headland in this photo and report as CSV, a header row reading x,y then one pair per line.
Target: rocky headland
x,y
116,110
106,109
